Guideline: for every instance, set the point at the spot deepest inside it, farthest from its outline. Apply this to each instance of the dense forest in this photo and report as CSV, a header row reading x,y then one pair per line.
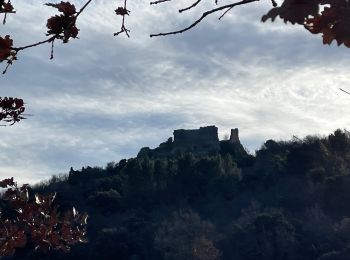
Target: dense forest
x,y
288,201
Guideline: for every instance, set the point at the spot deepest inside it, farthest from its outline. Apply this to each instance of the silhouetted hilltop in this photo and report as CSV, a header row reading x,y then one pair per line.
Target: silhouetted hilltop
x,y
198,198
199,142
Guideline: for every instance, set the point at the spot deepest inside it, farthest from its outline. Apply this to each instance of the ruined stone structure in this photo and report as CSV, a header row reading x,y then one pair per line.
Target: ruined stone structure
x,y
199,140
234,136
202,141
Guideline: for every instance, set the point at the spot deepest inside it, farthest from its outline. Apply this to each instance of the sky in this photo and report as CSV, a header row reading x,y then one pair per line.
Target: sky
x,y
102,97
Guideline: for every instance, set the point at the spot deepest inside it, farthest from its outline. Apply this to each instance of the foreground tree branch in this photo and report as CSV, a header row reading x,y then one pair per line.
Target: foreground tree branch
x,y
60,27
332,22
229,6
35,221
345,91
190,7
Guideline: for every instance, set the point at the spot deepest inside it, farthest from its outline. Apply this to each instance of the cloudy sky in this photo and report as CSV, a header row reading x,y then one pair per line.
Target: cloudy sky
x,y
102,97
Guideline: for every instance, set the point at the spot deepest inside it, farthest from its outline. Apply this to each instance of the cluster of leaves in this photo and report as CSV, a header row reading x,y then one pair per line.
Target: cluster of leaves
x,y
333,22
11,109
34,221
63,26
5,8
7,53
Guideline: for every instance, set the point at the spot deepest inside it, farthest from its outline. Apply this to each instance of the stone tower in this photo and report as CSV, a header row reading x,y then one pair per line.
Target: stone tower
x,y
234,136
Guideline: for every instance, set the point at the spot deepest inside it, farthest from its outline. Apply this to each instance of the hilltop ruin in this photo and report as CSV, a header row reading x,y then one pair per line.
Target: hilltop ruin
x,y
202,141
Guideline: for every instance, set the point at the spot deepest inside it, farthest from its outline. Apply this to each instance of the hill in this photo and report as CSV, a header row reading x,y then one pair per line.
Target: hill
x,y
207,199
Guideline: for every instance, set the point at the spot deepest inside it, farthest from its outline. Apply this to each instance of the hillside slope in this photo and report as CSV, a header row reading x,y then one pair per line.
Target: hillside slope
x,y
289,201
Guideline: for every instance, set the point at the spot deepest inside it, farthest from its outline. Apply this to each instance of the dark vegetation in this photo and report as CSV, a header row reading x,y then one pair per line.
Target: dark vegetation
x,y
289,201
34,224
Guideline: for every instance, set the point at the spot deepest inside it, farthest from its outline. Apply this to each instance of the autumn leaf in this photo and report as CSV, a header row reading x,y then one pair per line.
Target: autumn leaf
x,y
293,11
66,8
333,23
36,223
11,109
6,8
122,11
5,48
63,26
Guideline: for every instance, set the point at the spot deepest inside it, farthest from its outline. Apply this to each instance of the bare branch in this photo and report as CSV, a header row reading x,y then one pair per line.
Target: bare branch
x,y
345,91
123,29
204,15
17,49
191,6
225,13
82,9
158,2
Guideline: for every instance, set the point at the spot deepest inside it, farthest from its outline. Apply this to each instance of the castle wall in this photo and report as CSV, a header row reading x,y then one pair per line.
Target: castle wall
x,y
203,135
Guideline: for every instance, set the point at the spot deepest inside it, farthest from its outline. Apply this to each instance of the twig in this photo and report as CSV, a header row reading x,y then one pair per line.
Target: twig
x,y
344,91
203,16
158,2
225,12
123,28
5,16
191,6
82,9
52,46
9,62
17,49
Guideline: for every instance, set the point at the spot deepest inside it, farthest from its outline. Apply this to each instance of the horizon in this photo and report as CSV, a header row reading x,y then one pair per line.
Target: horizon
x,y
223,138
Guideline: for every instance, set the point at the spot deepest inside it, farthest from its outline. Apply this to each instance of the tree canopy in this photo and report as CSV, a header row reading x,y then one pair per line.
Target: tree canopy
x,y
289,201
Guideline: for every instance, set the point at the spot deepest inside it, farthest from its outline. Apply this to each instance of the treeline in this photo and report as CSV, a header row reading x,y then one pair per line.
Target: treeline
x,y
289,201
